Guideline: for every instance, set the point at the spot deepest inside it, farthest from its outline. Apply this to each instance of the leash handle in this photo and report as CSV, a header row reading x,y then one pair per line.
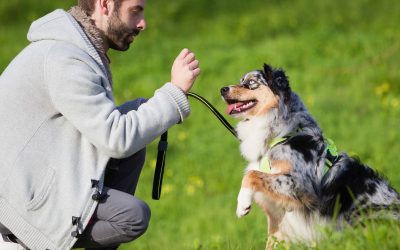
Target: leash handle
x,y
159,171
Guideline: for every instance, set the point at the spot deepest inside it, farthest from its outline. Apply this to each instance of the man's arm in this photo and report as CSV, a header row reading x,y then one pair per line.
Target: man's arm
x,y
77,93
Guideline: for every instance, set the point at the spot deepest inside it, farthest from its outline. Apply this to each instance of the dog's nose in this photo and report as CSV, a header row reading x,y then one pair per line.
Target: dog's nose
x,y
224,90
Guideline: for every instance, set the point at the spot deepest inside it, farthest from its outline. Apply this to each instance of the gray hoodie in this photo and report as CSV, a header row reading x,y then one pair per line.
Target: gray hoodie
x,y
60,126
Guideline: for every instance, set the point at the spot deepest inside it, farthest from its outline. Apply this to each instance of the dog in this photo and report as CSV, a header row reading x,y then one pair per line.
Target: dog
x,y
294,173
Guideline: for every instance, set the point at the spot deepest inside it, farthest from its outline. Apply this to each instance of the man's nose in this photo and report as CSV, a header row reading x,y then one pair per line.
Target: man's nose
x,y
142,24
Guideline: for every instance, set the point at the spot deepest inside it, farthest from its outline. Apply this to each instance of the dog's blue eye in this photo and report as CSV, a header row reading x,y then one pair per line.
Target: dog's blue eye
x,y
251,84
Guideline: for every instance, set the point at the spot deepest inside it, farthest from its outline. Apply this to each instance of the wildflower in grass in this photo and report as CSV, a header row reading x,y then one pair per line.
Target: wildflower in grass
x,y
169,173
152,164
310,100
395,103
168,188
190,189
194,183
382,89
182,136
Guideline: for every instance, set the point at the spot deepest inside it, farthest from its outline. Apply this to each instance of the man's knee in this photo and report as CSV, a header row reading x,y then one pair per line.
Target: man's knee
x,y
137,220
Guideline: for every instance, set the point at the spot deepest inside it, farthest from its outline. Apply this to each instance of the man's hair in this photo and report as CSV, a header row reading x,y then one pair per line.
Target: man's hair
x,y
89,5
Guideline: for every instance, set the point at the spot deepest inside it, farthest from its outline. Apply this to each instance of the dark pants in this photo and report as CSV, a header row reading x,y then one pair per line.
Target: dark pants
x,y
120,217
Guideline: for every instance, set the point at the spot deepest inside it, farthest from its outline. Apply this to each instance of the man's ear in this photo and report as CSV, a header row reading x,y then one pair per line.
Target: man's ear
x,y
105,6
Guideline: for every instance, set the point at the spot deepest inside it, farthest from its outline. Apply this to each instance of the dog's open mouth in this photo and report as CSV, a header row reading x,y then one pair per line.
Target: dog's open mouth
x,y
235,106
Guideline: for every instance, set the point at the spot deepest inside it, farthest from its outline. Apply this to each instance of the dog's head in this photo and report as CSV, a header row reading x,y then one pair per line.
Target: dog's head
x,y
258,92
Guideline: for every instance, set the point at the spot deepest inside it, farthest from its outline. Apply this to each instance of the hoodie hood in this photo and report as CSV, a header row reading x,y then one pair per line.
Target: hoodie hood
x,y
52,27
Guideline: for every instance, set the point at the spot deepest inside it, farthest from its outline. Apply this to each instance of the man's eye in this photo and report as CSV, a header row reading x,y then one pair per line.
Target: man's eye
x,y
136,10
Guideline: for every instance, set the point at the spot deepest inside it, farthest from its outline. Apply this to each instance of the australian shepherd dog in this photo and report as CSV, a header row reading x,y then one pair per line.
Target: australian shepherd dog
x,y
294,173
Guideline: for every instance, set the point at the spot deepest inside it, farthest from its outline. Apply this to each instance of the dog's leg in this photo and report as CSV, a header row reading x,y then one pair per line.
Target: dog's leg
x,y
244,201
269,184
275,214
278,190
272,242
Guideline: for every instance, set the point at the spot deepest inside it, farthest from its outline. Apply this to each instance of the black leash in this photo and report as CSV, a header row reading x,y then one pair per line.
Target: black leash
x,y
215,112
163,144
159,172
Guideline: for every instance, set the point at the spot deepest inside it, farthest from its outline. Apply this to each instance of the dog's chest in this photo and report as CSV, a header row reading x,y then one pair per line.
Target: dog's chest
x,y
253,136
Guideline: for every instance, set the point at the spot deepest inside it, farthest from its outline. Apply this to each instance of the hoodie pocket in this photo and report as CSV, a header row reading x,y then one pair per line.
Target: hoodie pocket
x,y
29,187
41,192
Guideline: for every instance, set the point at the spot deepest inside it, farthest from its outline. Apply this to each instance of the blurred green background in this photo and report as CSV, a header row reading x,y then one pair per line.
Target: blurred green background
x,y
341,56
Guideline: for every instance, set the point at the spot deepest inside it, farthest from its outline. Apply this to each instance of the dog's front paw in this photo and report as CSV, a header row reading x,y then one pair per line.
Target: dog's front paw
x,y
244,202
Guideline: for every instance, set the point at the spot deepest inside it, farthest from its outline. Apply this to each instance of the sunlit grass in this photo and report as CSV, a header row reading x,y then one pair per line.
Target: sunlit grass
x,y
342,57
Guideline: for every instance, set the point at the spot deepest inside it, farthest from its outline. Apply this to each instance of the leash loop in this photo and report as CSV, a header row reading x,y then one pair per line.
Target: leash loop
x,y
160,165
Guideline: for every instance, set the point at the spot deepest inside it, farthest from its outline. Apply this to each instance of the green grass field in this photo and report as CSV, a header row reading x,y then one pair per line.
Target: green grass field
x,y
342,57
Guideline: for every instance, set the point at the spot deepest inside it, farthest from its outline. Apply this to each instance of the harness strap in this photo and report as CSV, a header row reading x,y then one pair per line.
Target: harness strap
x,y
265,165
332,154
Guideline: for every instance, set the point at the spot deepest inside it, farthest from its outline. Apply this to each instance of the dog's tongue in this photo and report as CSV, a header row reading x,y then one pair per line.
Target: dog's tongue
x,y
233,106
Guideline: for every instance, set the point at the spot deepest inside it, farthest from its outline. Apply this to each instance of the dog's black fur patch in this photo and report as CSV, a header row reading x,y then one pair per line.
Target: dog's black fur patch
x,y
351,183
277,81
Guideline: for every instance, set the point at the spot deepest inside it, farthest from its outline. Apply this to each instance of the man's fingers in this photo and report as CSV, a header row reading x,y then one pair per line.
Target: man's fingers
x,y
190,57
183,53
194,65
185,70
196,72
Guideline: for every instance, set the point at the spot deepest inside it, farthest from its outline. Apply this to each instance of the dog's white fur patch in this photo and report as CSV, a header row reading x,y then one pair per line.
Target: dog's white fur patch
x,y
295,227
253,135
244,202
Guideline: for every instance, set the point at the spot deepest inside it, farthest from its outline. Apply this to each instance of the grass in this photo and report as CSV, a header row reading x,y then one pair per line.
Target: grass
x,y
342,57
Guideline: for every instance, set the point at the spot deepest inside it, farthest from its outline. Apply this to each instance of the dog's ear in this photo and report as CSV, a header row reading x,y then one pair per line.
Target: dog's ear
x,y
277,80
279,83
280,80
268,71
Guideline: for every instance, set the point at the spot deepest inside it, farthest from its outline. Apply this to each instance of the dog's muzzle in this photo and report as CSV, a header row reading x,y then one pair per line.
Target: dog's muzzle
x,y
224,90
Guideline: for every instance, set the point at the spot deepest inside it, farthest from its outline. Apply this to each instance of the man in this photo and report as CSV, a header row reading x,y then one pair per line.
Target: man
x,y
70,159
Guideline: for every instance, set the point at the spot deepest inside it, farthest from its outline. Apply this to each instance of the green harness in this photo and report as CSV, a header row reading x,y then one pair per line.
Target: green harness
x,y
331,150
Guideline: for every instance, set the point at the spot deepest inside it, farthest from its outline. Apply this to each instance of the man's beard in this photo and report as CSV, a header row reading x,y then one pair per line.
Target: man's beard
x,y
119,35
